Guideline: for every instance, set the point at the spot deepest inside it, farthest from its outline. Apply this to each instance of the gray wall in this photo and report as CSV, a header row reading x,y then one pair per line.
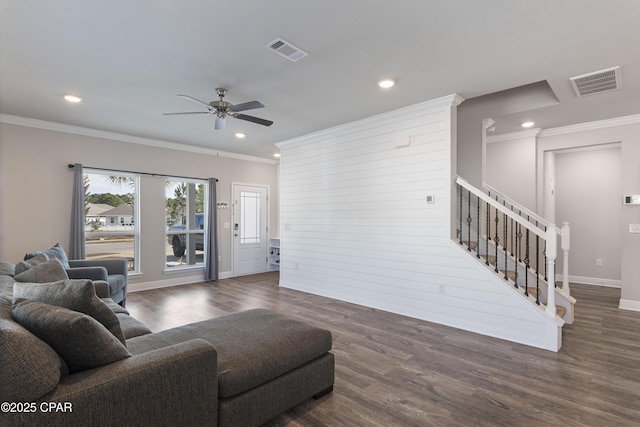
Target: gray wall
x,y
588,185
36,190
628,135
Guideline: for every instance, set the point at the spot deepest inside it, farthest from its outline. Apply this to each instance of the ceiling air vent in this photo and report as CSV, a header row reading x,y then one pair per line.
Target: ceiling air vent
x,y
286,49
597,82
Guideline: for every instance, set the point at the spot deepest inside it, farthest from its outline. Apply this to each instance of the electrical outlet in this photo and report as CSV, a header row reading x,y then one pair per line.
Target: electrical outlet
x,y
598,262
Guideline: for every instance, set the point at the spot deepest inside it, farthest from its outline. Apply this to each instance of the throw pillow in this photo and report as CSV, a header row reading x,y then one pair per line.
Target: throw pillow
x,y
27,264
49,271
30,368
56,251
81,341
78,295
7,269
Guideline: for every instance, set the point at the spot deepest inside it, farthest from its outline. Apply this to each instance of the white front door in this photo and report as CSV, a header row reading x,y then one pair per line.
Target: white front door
x,y
249,229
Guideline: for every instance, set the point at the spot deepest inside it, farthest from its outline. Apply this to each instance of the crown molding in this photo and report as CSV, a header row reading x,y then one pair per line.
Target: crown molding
x,y
449,101
78,130
599,124
529,133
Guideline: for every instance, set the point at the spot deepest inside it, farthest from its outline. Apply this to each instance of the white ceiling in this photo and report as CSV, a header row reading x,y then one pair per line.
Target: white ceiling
x,y
129,59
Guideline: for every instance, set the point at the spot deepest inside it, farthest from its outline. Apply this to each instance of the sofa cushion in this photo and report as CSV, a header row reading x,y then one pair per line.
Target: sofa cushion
x,y
7,269
81,341
27,264
48,271
29,367
55,252
78,295
131,327
253,346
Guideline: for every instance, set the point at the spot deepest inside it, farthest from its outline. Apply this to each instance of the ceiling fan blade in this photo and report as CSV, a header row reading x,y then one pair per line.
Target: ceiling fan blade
x,y
251,105
257,120
191,98
187,112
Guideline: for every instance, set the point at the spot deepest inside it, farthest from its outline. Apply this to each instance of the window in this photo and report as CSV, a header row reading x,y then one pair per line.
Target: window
x,y
186,219
250,219
111,209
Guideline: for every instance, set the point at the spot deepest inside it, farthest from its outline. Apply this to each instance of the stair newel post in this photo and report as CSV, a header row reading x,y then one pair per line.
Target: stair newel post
x,y
552,253
565,245
478,228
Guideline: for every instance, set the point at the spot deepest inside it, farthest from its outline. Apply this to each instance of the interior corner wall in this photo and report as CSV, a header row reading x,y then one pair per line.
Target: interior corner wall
x,y
35,191
629,138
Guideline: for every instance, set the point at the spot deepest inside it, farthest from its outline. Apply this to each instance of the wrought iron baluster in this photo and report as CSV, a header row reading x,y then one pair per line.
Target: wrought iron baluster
x,y
526,265
488,234
478,228
515,259
469,221
504,248
537,261
497,239
460,215
544,252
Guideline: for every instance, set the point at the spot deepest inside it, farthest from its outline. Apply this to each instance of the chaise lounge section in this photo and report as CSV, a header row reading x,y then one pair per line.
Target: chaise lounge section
x,y
238,370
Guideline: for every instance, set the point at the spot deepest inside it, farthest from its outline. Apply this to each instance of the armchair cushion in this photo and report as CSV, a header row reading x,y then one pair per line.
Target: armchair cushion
x,y
77,295
81,341
48,271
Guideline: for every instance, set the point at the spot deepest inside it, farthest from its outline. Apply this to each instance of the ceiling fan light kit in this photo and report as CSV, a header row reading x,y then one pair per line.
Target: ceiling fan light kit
x,y
221,109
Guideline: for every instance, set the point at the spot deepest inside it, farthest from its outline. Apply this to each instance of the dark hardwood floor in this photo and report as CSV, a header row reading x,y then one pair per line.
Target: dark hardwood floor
x,y
393,370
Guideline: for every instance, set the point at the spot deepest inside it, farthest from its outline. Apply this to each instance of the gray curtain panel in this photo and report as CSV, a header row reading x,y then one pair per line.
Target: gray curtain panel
x,y
211,263
76,247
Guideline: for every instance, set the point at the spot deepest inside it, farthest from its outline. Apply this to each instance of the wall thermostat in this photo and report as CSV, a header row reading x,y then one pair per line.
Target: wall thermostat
x,y
631,200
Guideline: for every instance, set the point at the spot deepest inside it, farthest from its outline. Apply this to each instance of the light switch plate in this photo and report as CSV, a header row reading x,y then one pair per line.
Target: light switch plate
x,y
634,228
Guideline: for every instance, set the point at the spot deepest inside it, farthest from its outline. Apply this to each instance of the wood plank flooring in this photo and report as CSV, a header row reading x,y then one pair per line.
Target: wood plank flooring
x,y
393,370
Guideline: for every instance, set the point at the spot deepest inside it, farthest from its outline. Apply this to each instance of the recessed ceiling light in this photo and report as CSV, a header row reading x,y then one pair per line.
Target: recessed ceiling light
x,y
527,124
276,155
386,83
240,135
72,98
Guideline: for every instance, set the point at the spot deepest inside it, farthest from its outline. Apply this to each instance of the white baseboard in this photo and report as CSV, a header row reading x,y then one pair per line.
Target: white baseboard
x,y
629,304
185,280
156,284
610,283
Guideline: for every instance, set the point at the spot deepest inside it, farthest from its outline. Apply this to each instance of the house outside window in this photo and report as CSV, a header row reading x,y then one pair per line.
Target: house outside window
x,y
186,218
111,207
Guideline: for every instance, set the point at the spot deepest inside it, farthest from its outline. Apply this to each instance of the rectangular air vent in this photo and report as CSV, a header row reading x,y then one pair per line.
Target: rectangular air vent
x,y
286,49
596,82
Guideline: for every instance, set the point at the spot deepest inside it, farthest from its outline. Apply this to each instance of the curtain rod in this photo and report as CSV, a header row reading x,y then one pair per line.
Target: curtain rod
x,y
71,166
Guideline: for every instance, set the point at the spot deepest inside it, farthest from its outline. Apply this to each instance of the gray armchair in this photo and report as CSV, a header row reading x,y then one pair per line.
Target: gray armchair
x,y
112,271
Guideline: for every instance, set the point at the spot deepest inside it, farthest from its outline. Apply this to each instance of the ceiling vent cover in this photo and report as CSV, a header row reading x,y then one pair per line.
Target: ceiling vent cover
x,y
286,49
597,82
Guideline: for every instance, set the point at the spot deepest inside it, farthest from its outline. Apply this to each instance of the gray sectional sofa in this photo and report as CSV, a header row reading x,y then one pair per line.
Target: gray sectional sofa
x,y
239,370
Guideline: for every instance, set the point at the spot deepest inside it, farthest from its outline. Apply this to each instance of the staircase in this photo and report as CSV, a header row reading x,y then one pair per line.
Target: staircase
x,y
520,247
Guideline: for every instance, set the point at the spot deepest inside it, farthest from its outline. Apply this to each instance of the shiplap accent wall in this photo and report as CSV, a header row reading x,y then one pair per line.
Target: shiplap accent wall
x,y
355,225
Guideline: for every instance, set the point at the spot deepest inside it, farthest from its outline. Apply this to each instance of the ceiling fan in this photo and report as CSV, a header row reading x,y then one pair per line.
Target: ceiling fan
x,y
221,109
